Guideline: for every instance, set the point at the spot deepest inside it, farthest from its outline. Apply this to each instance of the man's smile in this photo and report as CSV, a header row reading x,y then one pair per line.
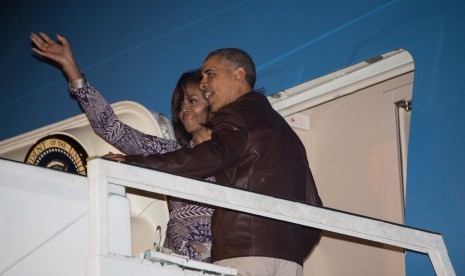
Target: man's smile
x,y
206,95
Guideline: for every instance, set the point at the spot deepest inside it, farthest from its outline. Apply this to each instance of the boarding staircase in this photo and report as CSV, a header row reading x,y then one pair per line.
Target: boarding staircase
x,y
56,223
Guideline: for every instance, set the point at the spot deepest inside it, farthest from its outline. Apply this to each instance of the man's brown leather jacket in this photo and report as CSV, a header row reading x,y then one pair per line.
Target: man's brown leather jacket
x,y
252,148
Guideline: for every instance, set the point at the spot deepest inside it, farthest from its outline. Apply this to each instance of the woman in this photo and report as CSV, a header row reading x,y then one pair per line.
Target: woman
x,y
188,231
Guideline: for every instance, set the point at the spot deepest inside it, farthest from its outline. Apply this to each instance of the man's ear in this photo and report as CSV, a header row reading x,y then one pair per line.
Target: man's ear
x,y
239,74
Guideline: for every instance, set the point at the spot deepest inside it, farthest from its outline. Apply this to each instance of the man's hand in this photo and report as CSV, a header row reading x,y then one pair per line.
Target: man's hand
x,y
114,157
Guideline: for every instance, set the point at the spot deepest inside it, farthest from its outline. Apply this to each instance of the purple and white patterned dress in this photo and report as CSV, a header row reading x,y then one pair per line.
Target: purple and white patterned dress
x,y
189,227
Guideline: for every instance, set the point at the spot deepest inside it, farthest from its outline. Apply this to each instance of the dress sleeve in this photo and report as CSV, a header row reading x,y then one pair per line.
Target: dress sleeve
x,y
105,123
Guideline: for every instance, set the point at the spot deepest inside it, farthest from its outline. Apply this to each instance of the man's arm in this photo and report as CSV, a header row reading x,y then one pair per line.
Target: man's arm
x,y
228,143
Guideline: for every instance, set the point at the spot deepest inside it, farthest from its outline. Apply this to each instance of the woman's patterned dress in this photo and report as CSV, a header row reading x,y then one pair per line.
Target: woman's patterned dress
x,y
189,227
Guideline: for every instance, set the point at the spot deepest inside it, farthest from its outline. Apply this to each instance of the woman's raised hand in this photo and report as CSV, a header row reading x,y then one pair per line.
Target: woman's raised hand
x,y
58,52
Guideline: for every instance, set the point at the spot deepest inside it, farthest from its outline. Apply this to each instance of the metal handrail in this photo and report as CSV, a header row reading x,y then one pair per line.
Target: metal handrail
x,y
101,171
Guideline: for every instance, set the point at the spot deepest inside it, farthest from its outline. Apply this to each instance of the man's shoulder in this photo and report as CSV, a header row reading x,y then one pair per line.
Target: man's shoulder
x,y
250,100
253,96
243,107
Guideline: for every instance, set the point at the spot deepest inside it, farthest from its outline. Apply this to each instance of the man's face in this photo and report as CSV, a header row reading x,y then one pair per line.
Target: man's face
x,y
218,84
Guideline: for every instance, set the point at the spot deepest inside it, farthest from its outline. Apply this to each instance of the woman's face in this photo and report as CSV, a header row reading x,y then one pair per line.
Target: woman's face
x,y
194,109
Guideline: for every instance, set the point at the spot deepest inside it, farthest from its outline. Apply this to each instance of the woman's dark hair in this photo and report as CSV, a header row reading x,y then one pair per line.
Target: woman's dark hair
x,y
191,77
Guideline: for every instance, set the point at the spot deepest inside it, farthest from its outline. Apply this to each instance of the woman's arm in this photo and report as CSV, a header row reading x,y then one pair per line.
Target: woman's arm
x,y
100,114
105,123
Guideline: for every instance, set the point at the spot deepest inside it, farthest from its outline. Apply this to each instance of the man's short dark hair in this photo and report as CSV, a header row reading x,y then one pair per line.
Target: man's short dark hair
x,y
237,58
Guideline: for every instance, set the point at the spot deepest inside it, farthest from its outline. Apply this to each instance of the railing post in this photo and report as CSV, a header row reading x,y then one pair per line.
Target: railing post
x,y
98,213
441,262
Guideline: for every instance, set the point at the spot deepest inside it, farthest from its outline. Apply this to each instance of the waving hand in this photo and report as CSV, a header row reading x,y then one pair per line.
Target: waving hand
x,y
59,52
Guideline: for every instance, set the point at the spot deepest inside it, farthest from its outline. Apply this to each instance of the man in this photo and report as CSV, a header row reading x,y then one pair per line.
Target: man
x,y
253,148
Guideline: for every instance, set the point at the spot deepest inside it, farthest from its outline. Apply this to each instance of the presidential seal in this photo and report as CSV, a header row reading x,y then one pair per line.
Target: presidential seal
x,y
59,152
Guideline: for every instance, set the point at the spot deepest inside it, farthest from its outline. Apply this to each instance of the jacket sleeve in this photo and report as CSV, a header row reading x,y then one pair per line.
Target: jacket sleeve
x,y
107,125
228,143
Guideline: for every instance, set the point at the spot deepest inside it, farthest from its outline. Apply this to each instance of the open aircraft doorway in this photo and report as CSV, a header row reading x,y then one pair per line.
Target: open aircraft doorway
x,y
355,125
